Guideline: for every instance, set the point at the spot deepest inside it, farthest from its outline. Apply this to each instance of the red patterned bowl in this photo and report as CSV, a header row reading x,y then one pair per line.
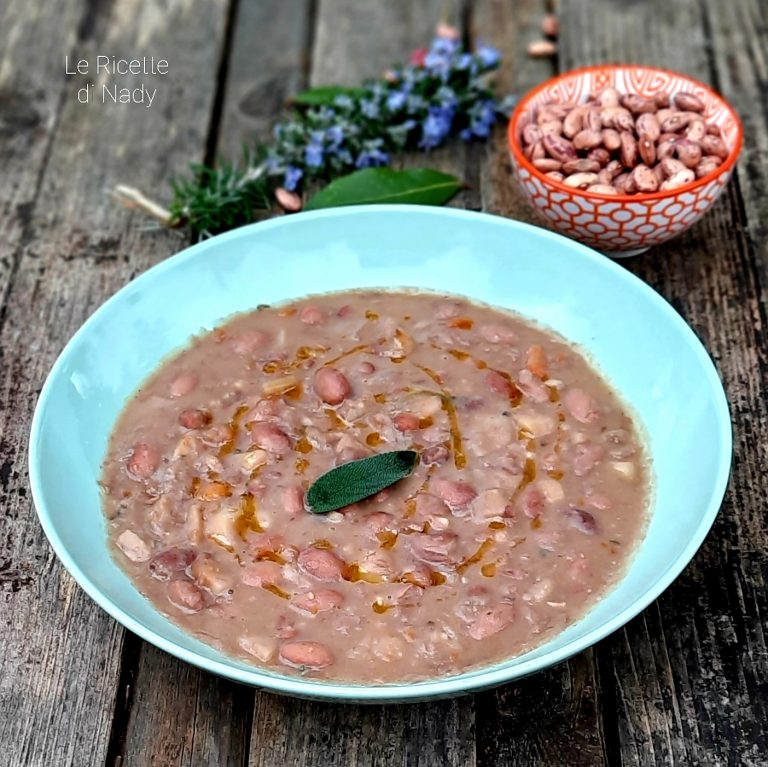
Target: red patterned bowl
x,y
622,225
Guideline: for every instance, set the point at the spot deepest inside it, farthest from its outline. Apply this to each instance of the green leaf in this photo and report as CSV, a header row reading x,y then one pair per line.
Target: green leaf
x,y
419,186
324,95
352,482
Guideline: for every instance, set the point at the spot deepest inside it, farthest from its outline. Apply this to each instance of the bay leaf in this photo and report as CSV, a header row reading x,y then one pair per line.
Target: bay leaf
x,y
418,186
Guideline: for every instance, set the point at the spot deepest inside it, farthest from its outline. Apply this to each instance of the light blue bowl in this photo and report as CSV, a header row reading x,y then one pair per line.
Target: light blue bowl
x,y
644,348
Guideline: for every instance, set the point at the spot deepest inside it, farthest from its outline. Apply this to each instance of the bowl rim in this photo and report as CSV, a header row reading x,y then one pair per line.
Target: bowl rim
x,y
522,161
338,691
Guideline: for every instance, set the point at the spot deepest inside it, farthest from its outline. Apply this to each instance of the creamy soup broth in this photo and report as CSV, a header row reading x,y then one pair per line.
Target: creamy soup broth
x,y
528,499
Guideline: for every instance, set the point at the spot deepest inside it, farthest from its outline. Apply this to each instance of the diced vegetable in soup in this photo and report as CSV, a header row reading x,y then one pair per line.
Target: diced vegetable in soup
x,y
528,495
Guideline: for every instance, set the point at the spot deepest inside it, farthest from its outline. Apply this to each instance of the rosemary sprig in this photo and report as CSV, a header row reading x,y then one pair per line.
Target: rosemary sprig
x,y
213,200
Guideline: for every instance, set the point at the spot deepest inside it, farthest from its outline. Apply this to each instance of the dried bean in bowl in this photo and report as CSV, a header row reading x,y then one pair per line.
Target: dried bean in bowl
x,y
621,143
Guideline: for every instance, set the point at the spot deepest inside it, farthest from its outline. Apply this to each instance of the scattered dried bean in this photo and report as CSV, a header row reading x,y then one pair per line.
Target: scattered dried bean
x,y
679,179
637,104
542,49
689,102
547,164
587,139
611,139
628,150
581,180
581,166
644,179
648,125
647,149
550,25
559,148
714,145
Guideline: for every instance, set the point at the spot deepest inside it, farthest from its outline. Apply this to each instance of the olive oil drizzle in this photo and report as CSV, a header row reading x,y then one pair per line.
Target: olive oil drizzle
x,y
347,353
484,548
234,429
446,402
276,590
247,520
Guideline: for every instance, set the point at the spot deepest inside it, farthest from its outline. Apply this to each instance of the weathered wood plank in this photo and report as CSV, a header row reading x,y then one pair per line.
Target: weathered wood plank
x,y
60,657
356,40
510,27
299,733
687,677
553,717
268,63
31,87
183,716
739,62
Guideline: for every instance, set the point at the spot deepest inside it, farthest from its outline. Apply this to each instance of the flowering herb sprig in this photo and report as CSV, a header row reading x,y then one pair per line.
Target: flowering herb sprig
x,y
333,131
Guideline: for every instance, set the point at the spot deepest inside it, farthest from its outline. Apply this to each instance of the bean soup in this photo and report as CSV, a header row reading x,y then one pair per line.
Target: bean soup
x,y
529,495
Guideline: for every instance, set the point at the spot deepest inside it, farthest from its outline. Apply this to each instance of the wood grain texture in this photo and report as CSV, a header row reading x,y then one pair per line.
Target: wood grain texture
x,y
686,679
295,733
739,65
553,717
60,657
33,45
355,41
510,27
268,63
183,716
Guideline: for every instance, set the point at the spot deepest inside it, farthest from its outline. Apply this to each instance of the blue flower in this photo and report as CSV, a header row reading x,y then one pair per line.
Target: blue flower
x,y
370,109
444,46
371,158
322,115
481,129
343,101
466,61
412,75
274,163
447,97
344,156
440,56
415,103
334,136
488,56
399,133
483,117
436,127
378,89
396,100
313,155
292,177
437,63
465,134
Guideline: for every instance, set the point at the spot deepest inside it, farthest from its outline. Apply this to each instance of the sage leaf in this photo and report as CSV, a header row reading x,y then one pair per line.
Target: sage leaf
x,y
323,95
352,482
419,186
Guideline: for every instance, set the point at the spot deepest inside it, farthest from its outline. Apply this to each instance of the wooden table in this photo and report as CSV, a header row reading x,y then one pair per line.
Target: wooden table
x,y
684,683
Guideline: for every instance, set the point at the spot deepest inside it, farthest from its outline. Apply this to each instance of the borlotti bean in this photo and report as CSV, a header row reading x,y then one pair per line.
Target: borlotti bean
x,y
528,497
622,143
